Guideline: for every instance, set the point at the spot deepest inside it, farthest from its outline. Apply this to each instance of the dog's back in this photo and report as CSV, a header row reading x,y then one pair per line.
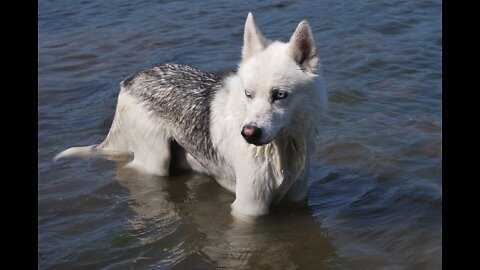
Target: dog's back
x,y
180,95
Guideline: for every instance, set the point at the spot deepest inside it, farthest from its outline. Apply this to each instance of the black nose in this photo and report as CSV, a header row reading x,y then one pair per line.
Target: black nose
x,y
252,134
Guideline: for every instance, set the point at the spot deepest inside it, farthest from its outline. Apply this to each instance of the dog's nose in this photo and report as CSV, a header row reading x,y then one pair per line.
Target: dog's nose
x,y
251,134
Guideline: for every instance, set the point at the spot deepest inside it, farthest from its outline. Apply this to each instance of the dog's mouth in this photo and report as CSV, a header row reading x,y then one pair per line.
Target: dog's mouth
x,y
258,142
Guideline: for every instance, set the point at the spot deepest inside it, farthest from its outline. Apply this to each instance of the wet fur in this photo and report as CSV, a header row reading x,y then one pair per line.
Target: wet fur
x,y
204,115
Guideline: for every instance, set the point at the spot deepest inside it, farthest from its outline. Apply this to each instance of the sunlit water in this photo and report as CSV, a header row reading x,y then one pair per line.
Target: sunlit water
x,y
375,193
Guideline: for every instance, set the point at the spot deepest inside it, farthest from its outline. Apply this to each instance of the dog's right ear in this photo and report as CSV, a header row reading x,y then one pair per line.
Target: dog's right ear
x,y
253,40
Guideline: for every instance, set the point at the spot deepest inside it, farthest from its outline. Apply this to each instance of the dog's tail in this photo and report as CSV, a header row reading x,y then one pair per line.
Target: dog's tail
x,y
82,151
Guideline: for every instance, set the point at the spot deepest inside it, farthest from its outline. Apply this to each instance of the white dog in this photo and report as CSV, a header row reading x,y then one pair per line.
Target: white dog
x,y
253,131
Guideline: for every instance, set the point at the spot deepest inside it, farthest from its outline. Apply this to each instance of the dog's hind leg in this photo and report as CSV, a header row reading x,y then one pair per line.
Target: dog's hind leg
x,y
153,157
151,146
137,130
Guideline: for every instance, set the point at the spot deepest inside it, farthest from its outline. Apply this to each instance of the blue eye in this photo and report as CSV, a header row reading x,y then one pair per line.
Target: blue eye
x,y
248,94
278,94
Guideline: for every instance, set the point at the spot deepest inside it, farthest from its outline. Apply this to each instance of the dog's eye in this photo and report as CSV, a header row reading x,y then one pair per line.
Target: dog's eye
x,y
248,94
278,94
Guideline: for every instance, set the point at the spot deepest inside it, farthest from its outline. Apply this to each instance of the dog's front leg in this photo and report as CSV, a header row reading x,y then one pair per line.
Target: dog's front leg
x,y
298,191
253,196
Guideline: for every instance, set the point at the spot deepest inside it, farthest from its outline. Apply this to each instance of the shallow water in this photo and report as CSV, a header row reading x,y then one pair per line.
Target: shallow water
x,y
375,193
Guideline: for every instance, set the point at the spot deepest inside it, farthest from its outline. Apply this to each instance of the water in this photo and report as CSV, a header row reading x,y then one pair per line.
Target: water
x,y
375,193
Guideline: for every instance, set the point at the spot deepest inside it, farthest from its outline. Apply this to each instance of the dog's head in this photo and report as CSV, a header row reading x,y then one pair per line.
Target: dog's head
x,y
277,79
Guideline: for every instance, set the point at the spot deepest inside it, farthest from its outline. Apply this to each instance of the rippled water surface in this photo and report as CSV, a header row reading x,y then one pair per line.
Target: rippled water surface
x,y
375,195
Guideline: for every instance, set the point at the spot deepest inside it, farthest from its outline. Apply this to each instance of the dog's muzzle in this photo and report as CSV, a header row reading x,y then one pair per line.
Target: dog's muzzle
x,y
252,134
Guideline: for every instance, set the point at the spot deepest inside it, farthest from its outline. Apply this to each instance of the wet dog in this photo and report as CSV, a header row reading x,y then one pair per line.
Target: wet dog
x,y
253,130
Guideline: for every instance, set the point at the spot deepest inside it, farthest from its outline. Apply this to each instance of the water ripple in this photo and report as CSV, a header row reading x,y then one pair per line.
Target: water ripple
x,y
374,200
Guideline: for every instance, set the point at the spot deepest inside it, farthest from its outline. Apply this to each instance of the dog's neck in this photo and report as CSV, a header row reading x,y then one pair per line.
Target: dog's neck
x,y
289,149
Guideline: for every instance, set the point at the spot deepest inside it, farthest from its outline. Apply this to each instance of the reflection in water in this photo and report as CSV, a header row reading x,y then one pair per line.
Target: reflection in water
x,y
288,238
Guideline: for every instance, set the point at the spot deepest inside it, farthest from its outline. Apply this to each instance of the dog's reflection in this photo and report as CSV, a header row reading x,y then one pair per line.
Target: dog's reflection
x,y
288,238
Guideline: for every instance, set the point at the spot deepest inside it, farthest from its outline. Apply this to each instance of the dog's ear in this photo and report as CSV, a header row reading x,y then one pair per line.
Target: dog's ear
x,y
302,47
253,40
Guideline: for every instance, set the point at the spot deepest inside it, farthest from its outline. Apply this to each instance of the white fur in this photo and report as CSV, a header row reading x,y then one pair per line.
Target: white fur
x,y
262,174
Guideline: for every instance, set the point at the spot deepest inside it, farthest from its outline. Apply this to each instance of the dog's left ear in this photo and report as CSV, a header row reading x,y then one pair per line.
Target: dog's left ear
x,y
302,47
